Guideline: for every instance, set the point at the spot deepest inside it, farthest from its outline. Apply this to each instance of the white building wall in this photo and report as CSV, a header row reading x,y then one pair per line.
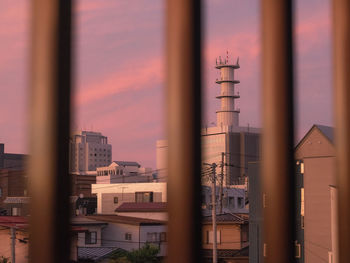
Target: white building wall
x,y
154,229
114,236
150,215
125,188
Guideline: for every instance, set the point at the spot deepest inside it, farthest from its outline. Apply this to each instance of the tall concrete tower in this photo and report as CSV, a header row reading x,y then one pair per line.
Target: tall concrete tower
x,y
228,115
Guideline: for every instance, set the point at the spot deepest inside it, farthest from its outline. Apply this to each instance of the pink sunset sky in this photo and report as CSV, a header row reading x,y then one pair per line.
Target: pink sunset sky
x,y
119,68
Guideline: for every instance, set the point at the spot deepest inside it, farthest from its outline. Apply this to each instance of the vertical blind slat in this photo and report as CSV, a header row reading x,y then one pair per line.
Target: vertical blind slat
x,y
341,44
184,99
49,130
277,139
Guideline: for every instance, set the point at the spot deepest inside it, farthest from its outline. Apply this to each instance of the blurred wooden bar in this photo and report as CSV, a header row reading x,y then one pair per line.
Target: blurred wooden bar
x,y
184,111
341,43
277,141
49,130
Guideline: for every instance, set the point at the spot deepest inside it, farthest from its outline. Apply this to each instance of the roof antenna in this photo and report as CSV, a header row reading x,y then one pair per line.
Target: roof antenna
x,y
237,61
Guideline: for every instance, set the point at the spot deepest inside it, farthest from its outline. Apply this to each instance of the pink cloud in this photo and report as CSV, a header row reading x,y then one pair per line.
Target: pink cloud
x,y
134,76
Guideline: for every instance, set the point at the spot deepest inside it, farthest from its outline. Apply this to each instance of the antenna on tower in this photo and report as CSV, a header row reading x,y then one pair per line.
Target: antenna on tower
x,y
216,61
237,61
226,56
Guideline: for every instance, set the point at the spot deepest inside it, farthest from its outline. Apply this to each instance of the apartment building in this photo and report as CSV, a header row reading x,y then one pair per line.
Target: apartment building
x,y
89,150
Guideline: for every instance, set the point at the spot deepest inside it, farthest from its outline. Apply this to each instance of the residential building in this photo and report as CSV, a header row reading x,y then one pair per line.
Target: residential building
x,y
232,238
155,210
89,150
11,161
233,200
315,194
111,196
123,172
227,144
255,193
119,232
317,153
13,192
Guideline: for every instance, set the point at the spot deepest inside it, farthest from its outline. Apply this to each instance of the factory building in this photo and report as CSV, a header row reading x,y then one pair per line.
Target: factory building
x,y
89,150
227,144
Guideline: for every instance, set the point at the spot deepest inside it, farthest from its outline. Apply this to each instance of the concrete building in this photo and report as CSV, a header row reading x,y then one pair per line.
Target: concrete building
x,y
111,196
227,143
123,172
12,161
89,150
233,200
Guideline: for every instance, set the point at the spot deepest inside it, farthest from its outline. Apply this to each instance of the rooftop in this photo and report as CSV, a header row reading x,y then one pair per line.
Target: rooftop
x,y
125,220
127,163
142,207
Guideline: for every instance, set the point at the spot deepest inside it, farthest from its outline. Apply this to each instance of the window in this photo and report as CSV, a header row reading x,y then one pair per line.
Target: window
x,y
128,236
152,237
115,200
210,237
162,237
297,252
90,237
231,202
16,211
240,202
144,197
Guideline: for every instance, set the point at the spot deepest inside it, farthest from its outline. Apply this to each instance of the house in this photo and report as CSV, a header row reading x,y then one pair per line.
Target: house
x,y
111,196
316,152
232,237
118,232
155,210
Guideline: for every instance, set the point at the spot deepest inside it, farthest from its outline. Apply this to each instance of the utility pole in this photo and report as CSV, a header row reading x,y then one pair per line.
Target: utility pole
x,y
13,245
213,212
221,182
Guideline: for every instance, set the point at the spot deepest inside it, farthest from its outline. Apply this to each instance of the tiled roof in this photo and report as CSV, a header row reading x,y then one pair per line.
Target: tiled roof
x,y
142,207
95,253
17,200
14,221
226,218
125,220
84,221
126,163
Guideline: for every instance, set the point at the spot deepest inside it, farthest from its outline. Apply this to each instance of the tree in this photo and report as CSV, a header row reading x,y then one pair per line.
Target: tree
x,y
4,260
147,254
